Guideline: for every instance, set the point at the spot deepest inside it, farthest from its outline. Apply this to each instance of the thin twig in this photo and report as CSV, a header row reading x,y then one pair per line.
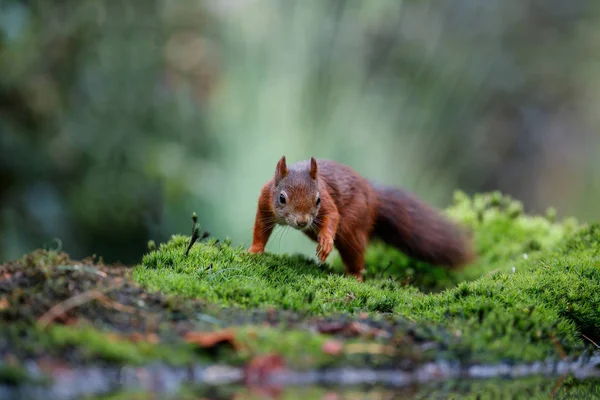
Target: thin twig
x,y
62,307
91,270
72,302
591,341
105,300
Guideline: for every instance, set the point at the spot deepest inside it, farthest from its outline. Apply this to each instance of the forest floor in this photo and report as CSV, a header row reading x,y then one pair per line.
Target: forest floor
x,y
529,306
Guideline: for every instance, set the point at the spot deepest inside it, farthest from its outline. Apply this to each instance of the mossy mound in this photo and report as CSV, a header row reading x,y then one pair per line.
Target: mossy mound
x,y
102,317
502,232
532,294
105,316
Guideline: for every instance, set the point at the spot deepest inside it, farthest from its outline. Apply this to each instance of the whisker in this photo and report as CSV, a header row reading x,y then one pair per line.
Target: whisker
x,y
273,237
283,232
267,220
267,228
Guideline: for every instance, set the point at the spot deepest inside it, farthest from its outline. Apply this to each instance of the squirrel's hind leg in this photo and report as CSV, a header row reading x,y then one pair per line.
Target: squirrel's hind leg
x,y
352,251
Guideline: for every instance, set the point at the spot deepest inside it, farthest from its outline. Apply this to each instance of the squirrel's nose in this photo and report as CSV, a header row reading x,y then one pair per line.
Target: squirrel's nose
x,y
301,222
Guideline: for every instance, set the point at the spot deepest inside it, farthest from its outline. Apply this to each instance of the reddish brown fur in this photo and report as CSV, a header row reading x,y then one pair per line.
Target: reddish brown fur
x,y
351,212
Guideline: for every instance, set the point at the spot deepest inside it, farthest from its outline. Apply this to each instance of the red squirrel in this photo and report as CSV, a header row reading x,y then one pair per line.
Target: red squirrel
x,y
334,206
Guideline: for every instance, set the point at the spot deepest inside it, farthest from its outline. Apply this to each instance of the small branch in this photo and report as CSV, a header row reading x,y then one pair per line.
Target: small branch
x,y
82,268
70,303
106,301
591,341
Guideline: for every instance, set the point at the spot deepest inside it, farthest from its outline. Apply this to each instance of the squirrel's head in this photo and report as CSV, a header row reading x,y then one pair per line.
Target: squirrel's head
x,y
296,198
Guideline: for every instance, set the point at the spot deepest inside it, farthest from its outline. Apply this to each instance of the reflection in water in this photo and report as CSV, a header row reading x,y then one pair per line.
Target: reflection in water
x,y
579,379
529,388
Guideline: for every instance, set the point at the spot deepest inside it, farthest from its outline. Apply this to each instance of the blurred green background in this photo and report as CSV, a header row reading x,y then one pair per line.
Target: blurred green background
x,y
120,118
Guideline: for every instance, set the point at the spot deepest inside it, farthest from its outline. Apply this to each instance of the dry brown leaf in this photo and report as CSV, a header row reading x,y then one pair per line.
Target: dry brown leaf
x,y
351,329
140,337
331,327
136,337
152,338
212,339
114,337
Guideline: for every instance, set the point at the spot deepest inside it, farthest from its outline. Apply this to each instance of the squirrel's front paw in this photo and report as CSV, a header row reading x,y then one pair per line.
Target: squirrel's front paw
x,y
255,249
325,247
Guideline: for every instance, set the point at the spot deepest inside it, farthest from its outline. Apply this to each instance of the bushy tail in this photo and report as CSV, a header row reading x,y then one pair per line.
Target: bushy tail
x,y
419,230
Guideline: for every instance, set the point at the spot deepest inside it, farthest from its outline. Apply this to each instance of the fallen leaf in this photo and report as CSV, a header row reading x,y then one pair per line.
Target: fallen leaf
x,y
364,329
3,304
136,337
331,327
350,329
359,328
140,337
212,339
113,337
152,338
332,347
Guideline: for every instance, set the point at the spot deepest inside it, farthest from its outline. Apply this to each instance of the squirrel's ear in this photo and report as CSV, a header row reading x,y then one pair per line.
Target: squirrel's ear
x,y
313,168
281,171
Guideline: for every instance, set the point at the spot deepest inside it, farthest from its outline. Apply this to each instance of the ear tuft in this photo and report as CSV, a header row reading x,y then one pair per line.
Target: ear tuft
x,y
281,171
313,168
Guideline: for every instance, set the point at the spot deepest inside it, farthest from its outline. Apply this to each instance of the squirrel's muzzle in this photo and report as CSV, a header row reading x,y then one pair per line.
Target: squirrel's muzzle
x,y
302,222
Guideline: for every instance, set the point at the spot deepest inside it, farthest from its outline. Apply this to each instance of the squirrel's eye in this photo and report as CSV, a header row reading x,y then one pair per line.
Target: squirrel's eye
x,y
318,200
282,198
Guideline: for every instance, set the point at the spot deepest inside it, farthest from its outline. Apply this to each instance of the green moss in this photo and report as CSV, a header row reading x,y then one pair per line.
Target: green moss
x,y
505,306
262,340
96,345
302,349
502,236
87,344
